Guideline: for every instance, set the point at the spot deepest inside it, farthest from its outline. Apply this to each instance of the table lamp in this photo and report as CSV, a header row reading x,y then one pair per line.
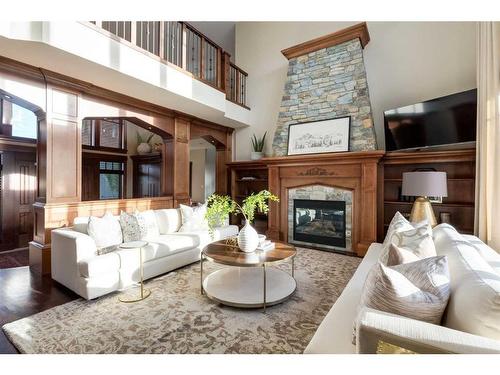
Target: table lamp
x,y
424,184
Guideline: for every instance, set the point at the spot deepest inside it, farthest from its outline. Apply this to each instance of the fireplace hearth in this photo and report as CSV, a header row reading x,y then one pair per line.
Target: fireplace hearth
x,y
319,222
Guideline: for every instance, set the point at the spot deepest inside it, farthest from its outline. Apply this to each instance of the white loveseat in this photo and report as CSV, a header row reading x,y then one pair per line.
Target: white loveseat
x,y
471,323
76,265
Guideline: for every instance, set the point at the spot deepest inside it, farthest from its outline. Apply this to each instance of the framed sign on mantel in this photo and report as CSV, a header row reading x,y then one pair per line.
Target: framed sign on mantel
x,y
317,137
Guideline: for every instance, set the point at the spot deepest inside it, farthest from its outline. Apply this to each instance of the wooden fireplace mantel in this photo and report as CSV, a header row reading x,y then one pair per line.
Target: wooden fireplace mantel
x,y
356,171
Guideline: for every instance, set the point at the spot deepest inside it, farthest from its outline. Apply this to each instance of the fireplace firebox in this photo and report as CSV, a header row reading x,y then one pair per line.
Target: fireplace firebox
x,y
320,222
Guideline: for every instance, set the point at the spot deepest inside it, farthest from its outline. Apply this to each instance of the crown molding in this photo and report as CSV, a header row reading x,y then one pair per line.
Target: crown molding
x,y
358,31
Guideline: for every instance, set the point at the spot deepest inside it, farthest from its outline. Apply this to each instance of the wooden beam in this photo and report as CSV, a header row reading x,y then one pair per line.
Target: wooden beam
x,y
359,31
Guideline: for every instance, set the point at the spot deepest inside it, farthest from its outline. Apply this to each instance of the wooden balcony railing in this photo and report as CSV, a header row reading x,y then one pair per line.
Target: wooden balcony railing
x,y
180,44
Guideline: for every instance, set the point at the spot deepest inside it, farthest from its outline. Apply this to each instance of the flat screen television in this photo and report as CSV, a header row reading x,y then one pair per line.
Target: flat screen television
x,y
443,121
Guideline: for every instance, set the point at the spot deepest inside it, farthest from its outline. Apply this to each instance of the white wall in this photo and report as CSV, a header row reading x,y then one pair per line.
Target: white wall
x,y
222,33
406,62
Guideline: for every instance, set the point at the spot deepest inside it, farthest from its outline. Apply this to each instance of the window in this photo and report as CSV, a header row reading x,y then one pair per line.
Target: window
x,y
111,175
107,134
22,122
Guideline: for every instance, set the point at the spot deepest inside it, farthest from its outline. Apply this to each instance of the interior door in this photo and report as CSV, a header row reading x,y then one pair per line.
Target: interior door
x,y
18,179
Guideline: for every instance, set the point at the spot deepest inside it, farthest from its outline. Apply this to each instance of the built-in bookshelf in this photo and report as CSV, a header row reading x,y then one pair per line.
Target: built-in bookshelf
x,y
459,165
248,177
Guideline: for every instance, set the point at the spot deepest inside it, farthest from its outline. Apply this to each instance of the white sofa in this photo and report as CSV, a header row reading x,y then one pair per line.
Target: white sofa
x,y
75,264
471,323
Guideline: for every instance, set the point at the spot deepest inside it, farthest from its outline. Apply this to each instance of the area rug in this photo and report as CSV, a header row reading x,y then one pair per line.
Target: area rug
x,y
11,259
176,318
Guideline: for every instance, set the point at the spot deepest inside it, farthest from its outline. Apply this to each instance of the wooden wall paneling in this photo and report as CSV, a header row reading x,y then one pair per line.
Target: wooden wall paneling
x,y
63,146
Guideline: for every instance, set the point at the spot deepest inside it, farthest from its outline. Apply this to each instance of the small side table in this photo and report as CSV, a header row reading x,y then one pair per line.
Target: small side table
x,y
145,293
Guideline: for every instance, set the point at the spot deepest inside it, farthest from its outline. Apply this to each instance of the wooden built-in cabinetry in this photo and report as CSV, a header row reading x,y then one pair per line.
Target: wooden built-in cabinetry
x,y
248,177
459,166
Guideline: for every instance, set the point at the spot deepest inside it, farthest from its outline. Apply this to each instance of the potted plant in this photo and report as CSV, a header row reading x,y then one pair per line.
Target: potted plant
x,y
143,145
258,147
219,207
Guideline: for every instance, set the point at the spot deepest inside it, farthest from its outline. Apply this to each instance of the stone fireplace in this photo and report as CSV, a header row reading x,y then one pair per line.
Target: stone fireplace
x,y
320,216
327,79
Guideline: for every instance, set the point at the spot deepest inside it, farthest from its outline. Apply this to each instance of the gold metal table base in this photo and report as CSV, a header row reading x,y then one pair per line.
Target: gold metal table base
x,y
145,293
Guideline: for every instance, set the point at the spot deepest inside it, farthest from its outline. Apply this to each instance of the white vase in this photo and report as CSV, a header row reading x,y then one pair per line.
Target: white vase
x,y
256,155
144,148
248,238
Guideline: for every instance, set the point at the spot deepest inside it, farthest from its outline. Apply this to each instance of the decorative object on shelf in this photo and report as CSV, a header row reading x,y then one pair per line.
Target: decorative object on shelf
x,y
423,184
445,217
143,145
258,147
319,136
220,206
158,147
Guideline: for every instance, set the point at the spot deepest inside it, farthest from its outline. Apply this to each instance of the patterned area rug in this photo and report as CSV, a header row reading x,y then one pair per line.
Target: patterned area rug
x,y
176,318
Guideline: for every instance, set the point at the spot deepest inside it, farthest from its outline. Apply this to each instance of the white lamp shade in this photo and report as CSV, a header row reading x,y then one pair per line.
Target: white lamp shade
x,y
424,184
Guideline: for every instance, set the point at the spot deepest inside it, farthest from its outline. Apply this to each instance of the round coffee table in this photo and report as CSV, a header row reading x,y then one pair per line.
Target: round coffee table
x,y
249,282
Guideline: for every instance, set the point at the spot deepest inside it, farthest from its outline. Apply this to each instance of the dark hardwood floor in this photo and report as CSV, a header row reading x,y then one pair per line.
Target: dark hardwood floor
x,y
22,294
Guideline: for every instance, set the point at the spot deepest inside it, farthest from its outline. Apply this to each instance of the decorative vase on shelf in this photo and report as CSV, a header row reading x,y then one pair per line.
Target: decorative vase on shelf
x,y
256,155
144,148
248,238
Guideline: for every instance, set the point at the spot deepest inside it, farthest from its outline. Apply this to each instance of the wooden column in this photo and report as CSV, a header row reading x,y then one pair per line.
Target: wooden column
x,y
58,168
177,153
274,207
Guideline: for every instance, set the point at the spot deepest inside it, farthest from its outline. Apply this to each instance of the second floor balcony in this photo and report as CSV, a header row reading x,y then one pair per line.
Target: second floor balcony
x,y
182,45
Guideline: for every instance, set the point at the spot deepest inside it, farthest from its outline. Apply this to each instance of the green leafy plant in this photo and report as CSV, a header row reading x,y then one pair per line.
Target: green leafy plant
x,y
218,209
258,143
220,206
146,138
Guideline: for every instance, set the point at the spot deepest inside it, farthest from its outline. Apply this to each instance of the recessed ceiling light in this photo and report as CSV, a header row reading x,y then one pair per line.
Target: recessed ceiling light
x,y
7,97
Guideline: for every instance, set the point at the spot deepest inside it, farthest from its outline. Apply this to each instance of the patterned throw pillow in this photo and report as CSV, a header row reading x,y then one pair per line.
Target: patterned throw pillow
x,y
105,231
418,290
401,231
133,227
193,218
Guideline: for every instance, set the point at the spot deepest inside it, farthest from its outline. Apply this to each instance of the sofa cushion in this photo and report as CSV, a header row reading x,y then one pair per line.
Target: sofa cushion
x,y
159,247
169,220
99,265
474,305
486,252
105,231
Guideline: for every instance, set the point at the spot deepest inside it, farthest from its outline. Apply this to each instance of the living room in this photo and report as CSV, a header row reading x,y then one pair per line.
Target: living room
x,y
281,184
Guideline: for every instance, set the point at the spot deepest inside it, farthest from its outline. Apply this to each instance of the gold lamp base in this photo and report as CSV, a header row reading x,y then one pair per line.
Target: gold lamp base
x,y
422,210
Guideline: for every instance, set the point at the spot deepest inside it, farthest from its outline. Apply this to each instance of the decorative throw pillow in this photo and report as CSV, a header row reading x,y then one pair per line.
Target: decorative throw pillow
x,y
149,219
410,250
133,226
105,231
193,218
419,290
401,231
